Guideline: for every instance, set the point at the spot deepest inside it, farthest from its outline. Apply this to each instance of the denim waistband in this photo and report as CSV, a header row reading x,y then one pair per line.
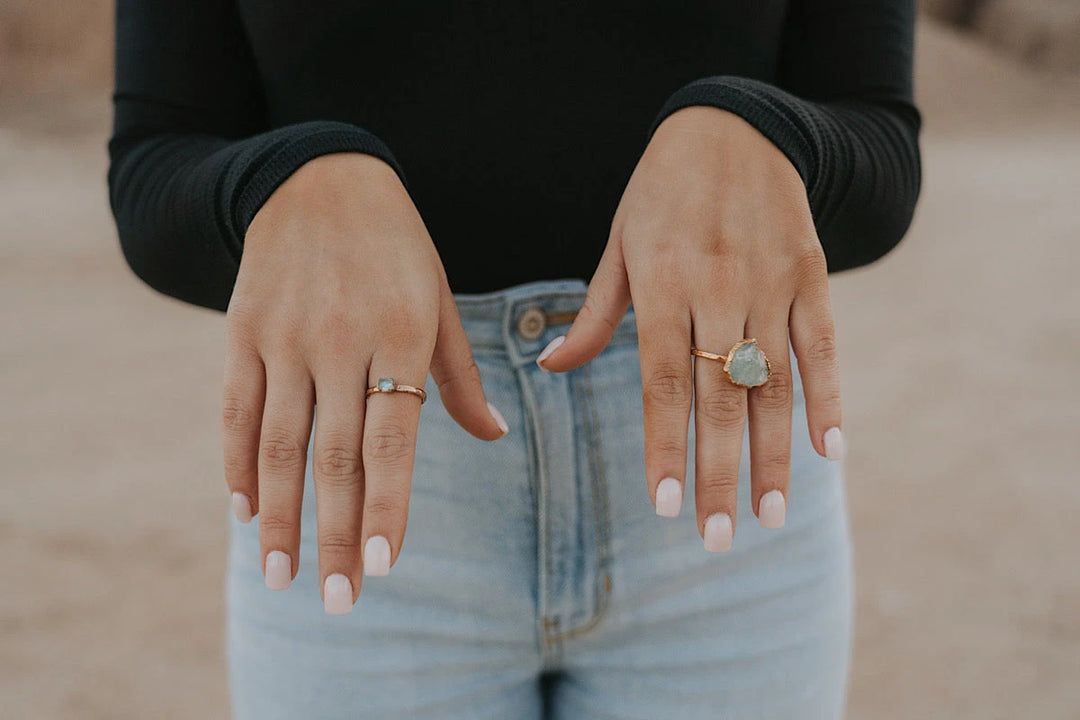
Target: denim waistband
x,y
491,319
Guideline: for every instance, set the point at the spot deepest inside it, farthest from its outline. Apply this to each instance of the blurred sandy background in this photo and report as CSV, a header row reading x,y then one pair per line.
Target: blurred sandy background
x,y
960,354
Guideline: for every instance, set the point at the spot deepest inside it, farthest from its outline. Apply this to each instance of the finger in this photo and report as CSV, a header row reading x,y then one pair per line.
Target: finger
x,y
286,429
454,368
719,424
244,395
769,412
663,325
389,448
338,471
605,304
814,342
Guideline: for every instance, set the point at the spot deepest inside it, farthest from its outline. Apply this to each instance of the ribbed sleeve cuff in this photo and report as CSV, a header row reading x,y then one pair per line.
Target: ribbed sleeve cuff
x,y
776,114
283,151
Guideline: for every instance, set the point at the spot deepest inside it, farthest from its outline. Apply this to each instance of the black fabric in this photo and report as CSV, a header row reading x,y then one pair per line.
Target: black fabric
x,y
514,126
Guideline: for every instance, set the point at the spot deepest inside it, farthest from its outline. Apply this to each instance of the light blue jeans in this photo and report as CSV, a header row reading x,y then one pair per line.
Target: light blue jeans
x,y
536,579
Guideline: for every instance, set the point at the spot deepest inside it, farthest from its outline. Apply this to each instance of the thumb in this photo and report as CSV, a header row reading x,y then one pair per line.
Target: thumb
x,y
454,370
605,303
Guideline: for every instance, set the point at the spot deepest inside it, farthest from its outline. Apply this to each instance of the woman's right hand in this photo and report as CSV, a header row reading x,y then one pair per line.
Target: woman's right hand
x,y
339,285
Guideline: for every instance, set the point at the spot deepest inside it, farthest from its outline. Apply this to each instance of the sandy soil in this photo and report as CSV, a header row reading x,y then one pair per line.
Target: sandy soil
x,y
959,354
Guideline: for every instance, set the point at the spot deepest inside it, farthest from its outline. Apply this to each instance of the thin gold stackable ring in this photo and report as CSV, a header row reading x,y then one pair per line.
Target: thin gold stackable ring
x,y
387,384
748,375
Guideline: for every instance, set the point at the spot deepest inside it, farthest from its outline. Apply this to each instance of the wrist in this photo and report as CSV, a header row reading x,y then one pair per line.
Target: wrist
x,y
340,169
725,132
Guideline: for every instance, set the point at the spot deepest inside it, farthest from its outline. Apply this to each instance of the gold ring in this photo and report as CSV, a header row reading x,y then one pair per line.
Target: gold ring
x,y
387,384
745,364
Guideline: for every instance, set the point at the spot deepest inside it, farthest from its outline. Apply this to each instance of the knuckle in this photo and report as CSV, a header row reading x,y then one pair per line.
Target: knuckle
x,y
829,396
279,450
667,386
776,463
337,462
240,317
720,249
717,482
341,540
237,415
809,266
404,326
723,409
384,505
238,470
281,334
389,443
668,446
588,308
776,394
335,321
466,371
276,524
822,352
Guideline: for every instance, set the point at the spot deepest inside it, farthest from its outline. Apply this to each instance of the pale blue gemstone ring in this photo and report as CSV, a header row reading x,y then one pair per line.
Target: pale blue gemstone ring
x,y
745,364
387,384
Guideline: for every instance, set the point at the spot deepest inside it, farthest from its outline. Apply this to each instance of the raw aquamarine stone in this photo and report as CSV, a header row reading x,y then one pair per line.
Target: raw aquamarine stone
x,y
748,365
386,384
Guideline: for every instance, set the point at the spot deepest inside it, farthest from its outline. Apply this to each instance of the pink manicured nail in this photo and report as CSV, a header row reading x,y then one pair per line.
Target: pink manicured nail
x,y
499,419
771,510
549,349
668,497
376,556
834,444
337,595
241,507
278,570
718,532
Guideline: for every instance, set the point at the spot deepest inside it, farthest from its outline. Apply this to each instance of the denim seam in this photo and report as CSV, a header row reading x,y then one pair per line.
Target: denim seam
x,y
600,512
537,485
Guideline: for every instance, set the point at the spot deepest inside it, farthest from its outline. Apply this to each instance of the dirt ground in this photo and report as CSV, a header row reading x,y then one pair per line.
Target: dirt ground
x,y
959,354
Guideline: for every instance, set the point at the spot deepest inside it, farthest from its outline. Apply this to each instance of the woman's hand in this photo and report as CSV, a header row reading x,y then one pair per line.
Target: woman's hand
x,y
339,285
714,241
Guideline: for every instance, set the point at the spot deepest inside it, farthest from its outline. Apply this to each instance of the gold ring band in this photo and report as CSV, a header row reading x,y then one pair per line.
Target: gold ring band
x,y
387,384
707,354
752,368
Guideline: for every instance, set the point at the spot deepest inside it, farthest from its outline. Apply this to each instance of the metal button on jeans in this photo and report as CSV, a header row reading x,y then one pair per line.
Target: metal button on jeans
x,y
531,323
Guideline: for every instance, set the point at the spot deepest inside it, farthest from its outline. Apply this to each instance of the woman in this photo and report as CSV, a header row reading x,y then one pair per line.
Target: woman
x,y
376,192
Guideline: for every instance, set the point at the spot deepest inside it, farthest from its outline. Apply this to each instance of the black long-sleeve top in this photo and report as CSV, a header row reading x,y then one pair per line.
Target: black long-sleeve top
x,y
513,125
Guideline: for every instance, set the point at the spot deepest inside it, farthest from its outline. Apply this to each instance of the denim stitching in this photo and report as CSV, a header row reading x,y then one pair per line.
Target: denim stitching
x,y
600,511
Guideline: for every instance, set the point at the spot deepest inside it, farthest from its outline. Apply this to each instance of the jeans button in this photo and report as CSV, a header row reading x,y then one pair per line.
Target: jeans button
x,y
531,323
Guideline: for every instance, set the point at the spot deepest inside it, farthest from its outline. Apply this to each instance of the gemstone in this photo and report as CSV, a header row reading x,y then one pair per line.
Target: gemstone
x,y
747,365
386,384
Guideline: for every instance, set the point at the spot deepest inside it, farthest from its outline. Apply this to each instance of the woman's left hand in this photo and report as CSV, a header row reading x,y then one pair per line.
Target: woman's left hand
x,y
714,242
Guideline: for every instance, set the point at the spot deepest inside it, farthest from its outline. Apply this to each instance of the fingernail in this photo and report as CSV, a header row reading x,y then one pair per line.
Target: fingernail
x,y
834,444
241,507
549,349
771,510
668,497
499,419
278,570
718,532
376,556
337,594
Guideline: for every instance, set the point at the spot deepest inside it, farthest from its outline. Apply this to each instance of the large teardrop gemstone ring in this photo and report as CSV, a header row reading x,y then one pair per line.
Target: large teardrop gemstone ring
x,y
745,364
